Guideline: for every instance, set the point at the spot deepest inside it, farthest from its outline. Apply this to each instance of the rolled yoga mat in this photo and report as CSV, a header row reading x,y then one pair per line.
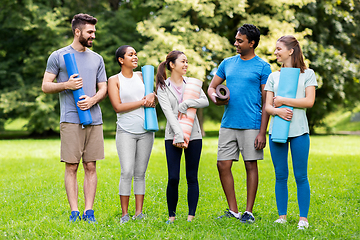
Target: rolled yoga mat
x,y
222,92
288,83
71,67
192,91
151,123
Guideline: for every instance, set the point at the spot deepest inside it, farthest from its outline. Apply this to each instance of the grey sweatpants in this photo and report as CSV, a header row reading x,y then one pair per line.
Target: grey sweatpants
x,y
134,153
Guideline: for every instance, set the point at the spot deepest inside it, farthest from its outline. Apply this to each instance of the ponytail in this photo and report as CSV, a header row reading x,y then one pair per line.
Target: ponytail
x,y
161,76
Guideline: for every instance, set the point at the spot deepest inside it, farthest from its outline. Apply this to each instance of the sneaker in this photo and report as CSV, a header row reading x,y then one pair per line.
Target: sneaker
x,y
125,218
88,216
74,216
303,224
139,217
228,214
247,217
281,220
169,222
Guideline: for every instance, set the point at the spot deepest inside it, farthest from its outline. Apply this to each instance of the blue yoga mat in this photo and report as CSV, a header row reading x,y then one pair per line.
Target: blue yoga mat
x,y
151,123
288,83
71,67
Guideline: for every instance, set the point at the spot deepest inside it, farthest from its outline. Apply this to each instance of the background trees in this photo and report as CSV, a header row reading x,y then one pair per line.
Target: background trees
x,y
204,30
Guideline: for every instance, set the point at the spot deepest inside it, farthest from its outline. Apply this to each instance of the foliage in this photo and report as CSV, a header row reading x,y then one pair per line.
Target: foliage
x,y
34,206
334,52
204,30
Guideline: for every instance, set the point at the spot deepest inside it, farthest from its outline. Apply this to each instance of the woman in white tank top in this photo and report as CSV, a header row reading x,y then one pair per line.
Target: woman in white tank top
x,y
126,92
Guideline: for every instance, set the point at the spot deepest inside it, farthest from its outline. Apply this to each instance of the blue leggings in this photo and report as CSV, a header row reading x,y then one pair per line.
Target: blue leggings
x,y
192,159
299,147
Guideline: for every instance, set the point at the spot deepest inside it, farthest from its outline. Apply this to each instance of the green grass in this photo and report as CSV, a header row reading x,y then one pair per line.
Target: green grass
x,y
33,202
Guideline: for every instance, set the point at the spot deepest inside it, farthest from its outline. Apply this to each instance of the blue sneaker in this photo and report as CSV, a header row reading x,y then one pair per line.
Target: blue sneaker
x,y
74,215
247,217
88,216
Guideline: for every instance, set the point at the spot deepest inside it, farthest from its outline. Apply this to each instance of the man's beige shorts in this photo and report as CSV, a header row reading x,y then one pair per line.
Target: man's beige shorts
x,y
77,142
234,141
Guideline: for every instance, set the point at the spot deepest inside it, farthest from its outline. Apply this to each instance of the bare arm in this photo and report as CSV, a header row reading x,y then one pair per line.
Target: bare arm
x,y
49,86
88,102
284,113
306,102
113,91
212,89
260,140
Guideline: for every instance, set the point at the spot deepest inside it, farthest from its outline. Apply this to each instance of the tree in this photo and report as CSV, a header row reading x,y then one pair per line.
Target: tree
x,y
334,51
205,30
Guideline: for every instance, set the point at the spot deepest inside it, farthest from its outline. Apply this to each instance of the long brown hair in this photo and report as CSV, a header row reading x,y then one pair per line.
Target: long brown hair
x,y
297,59
161,71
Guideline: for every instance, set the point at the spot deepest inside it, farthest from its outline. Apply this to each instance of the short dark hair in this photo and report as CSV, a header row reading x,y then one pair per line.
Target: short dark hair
x,y
252,33
80,20
120,52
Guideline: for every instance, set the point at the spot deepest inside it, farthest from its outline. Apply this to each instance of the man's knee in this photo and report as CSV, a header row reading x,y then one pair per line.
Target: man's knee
x,y
251,166
224,166
71,168
89,167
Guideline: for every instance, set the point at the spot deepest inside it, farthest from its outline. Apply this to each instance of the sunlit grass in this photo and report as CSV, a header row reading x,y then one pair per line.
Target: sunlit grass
x,y
33,202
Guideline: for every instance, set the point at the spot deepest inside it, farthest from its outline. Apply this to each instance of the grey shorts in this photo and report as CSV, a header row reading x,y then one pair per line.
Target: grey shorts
x,y
77,142
233,141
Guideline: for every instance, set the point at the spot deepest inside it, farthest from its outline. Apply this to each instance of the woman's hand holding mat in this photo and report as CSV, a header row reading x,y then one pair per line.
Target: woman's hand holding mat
x,y
192,91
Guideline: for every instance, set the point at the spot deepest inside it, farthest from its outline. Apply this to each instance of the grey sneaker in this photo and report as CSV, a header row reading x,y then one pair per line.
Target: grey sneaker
x,y
227,214
247,217
141,216
124,219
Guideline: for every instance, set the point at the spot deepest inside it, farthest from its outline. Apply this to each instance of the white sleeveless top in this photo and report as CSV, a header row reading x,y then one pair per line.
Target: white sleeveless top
x,y
131,90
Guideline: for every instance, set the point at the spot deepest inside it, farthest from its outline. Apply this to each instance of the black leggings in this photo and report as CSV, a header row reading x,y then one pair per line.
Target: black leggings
x,y
192,159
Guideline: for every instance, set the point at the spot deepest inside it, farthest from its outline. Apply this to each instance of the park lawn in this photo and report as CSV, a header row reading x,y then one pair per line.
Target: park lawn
x,y
33,202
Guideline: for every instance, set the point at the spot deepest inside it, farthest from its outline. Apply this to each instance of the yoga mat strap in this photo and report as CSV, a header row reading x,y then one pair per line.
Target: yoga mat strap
x,y
71,67
151,123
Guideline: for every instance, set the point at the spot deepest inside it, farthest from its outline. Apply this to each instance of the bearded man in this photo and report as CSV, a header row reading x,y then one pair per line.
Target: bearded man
x,y
78,141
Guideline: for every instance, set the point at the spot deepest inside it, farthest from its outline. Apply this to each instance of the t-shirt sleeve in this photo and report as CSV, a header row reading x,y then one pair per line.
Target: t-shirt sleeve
x,y
53,65
265,73
221,70
101,73
310,79
269,86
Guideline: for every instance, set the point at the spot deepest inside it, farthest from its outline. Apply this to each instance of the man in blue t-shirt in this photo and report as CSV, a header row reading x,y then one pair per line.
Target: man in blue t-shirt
x,y
77,141
244,123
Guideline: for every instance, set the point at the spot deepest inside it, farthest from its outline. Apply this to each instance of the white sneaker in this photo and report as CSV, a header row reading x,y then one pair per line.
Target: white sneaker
x,y
303,224
281,220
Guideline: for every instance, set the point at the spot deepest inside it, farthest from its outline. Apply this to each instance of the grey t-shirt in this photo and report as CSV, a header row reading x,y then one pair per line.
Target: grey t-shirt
x,y
92,71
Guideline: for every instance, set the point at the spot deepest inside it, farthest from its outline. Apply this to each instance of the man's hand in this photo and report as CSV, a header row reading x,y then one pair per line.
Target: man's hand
x,y
85,104
74,83
219,102
260,141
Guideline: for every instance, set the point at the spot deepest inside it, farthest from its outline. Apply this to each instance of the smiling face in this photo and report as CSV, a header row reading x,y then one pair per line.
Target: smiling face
x,y
130,59
87,35
180,66
242,44
283,55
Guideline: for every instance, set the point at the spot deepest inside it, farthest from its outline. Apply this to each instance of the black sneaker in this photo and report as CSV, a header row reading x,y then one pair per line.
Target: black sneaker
x,y
227,214
247,217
